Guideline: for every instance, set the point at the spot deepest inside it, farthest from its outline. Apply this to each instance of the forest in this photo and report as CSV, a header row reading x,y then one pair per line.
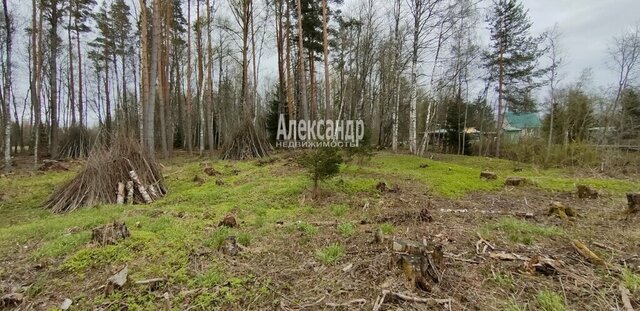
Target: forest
x,y
319,155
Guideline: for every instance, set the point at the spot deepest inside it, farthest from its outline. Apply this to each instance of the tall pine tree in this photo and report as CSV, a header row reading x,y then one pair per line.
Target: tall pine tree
x,y
512,59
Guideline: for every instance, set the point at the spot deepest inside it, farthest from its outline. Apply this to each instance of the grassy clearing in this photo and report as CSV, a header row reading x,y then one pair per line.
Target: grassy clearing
x,y
456,176
166,236
519,231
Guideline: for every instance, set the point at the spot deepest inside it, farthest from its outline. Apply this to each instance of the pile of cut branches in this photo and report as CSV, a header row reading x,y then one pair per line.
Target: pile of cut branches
x,y
246,143
109,172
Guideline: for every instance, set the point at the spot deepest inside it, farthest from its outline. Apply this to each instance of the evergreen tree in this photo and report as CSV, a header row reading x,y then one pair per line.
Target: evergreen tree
x,y
512,59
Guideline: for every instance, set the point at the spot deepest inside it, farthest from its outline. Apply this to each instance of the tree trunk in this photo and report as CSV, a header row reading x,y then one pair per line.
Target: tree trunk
x,y
209,78
189,114
151,105
80,82
53,82
301,69
144,68
72,89
327,79
7,87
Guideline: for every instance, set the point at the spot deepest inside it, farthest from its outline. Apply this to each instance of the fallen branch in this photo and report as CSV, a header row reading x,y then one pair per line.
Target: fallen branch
x,y
585,252
346,304
400,296
624,294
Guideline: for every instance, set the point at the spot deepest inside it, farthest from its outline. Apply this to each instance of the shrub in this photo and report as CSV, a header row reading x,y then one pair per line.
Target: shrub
x,y
321,164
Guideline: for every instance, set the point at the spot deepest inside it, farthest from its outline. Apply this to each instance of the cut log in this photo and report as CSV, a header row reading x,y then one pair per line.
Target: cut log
x,y
130,192
585,252
488,175
120,194
514,181
634,202
110,234
141,187
585,192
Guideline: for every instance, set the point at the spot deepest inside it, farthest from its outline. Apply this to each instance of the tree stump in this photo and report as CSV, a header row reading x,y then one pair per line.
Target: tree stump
x,y
211,171
514,181
229,246
585,192
110,234
488,175
421,264
199,181
560,210
228,221
634,202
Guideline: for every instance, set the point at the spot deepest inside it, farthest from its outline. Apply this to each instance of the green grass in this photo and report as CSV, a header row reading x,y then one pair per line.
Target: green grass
x,y
550,301
330,254
346,229
339,210
631,280
387,228
183,223
513,305
502,280
520,231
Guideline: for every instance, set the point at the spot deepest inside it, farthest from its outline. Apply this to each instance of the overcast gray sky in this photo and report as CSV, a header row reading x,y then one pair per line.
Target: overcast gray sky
x,y
587,28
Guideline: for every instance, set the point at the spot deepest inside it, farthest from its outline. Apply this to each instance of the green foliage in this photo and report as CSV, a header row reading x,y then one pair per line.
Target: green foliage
x,y
513,54
321,164
330,254
387,228
339,209
550,301
306,228
244,239
523,232
631,280
572,117
346,229
503,280
363,152
513,305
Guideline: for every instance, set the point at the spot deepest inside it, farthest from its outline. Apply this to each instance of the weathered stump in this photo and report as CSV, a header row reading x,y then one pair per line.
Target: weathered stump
x,y
560,210
211,171
514,181
634,202
585,192
228,221
229,246
110,234
488,175
421,264
382,187
199,181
